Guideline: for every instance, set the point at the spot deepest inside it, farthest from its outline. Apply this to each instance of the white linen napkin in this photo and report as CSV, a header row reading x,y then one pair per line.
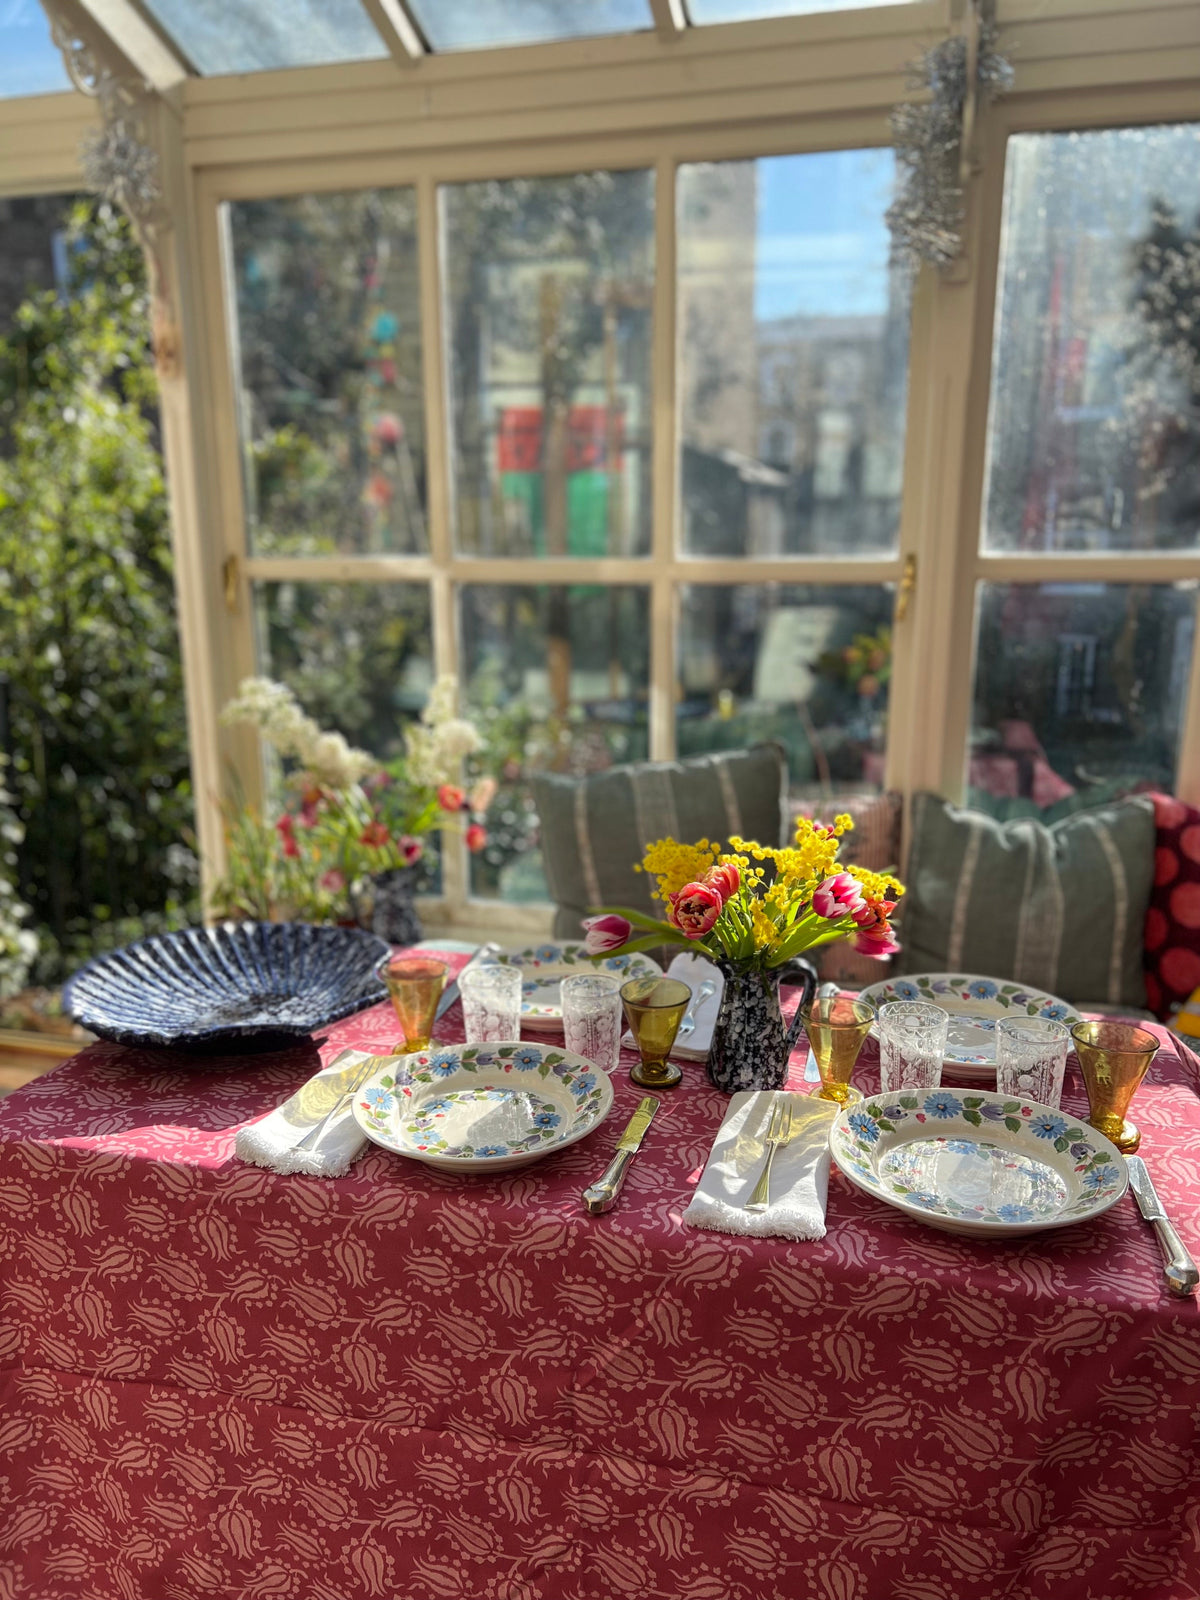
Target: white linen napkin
x,y
799,1175
271,1141
694,970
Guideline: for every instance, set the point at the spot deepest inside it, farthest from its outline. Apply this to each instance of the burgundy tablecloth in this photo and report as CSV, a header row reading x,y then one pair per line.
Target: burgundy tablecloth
x,y
220,1382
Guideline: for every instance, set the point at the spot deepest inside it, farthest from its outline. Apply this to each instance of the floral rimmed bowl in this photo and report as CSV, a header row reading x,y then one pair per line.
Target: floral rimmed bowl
x,y
544,966
975,1005
483,1107
975,1163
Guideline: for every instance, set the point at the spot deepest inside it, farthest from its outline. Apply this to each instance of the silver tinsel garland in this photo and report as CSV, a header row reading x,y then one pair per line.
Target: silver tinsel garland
x,y
119,165
926,216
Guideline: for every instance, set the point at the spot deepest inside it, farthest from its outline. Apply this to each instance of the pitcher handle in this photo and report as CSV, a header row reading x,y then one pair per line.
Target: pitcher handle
x,y
798,970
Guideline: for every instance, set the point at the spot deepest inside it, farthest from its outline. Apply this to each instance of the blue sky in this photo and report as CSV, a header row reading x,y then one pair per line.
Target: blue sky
x,y
29,62
822,244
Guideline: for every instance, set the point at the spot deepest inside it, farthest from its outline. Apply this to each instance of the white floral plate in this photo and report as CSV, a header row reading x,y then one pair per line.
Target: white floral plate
x,y
975,1005
544,966
977,1163
483,1107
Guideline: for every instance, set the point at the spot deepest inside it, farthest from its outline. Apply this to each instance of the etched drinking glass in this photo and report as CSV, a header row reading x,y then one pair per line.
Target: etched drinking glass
x,y
1113,1057
592,1017
415,984
912,1043
491,1002
1031,1058
836,1026
655,1008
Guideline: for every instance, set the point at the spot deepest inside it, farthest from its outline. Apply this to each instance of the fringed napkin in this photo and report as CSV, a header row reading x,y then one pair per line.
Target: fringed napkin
x,y
272,1141
799,1174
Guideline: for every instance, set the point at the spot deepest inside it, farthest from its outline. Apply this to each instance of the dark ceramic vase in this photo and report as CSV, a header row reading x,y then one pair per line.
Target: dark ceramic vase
x,y
393,915
751,1042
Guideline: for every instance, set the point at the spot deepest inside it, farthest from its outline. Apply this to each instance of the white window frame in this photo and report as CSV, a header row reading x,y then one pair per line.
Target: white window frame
x,y
790,85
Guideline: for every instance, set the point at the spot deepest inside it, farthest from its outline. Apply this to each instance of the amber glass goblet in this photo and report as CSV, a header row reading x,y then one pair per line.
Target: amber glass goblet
x,y
1113,1057
655,1008
415,984
836,1025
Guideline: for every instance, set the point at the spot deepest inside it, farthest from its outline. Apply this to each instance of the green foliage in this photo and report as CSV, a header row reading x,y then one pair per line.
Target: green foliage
x,y
88,640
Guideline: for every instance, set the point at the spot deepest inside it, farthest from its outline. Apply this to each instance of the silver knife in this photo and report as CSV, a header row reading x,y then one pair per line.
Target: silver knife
x,y
1179,1269
602,1196
450,992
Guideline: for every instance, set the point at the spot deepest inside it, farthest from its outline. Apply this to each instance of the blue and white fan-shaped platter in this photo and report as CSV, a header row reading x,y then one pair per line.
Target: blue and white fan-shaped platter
x,y
236,987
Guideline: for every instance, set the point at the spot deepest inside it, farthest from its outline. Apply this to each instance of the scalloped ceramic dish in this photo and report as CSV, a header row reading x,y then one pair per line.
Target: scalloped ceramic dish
x,y
483,1107
976,1163
975,1005
544,966
236,987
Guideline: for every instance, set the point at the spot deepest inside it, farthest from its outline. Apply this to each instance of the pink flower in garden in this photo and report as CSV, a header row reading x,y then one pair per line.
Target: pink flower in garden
x,y
838,896
411,849
450,797
334,880
285,827
724,879
483,794
695,909
375,835
605,933
389,429
476,837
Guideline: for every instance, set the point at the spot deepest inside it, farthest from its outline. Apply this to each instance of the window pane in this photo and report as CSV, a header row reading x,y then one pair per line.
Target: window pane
x,y
1079,691
467,24
34,253
252,35
1094,434
329,346
358,656
807,665
30,61
701,11
549,283
793,338
559,677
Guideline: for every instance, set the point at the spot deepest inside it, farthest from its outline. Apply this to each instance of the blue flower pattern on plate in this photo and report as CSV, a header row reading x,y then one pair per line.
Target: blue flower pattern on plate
x,y
443,1063
1055,1012
547,1119
866,1127
526,1060
983,989
1048,1126
903,990
379,1099
1015,1213
941,1105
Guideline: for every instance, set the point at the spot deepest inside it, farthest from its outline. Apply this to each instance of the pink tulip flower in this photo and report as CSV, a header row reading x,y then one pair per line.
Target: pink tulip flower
x,y
839,896
605,933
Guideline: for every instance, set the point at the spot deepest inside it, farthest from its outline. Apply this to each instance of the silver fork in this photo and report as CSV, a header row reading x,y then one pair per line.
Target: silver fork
x,y
315,1132
779,1131
688,1025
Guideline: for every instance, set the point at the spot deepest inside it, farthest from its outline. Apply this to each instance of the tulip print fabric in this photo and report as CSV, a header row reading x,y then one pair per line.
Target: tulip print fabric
x,y
216,1381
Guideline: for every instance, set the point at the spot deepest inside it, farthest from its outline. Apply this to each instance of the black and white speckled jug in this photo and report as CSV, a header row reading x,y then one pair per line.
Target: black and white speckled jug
x,y
751,1042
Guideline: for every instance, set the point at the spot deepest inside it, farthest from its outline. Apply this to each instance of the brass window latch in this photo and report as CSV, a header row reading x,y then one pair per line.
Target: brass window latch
x,y
908,583
231,579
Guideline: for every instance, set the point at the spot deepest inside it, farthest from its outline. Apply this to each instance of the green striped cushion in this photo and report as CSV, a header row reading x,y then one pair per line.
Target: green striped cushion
x,y
1061,908
595,829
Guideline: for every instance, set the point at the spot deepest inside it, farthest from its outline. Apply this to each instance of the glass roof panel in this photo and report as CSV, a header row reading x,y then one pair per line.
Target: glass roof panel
x,y
702,11
29,59
220,36
473,24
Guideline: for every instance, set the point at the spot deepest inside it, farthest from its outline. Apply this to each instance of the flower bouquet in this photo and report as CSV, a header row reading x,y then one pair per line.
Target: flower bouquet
x,y
752,912
349,829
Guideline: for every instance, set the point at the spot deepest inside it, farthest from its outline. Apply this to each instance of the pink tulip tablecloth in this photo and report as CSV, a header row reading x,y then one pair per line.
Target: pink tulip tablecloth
x,y
403,1385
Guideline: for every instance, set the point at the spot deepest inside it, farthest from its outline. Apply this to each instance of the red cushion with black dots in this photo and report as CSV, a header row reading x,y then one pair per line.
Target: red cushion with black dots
x,y
1172,941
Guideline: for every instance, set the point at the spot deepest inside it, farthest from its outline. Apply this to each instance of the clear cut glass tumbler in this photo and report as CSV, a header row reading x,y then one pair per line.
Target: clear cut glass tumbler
x,y
593,1018
491,1002
912,1043
1031,1058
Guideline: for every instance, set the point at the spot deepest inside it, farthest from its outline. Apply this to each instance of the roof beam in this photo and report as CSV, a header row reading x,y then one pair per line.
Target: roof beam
x,y
145,49
399,30
670,18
